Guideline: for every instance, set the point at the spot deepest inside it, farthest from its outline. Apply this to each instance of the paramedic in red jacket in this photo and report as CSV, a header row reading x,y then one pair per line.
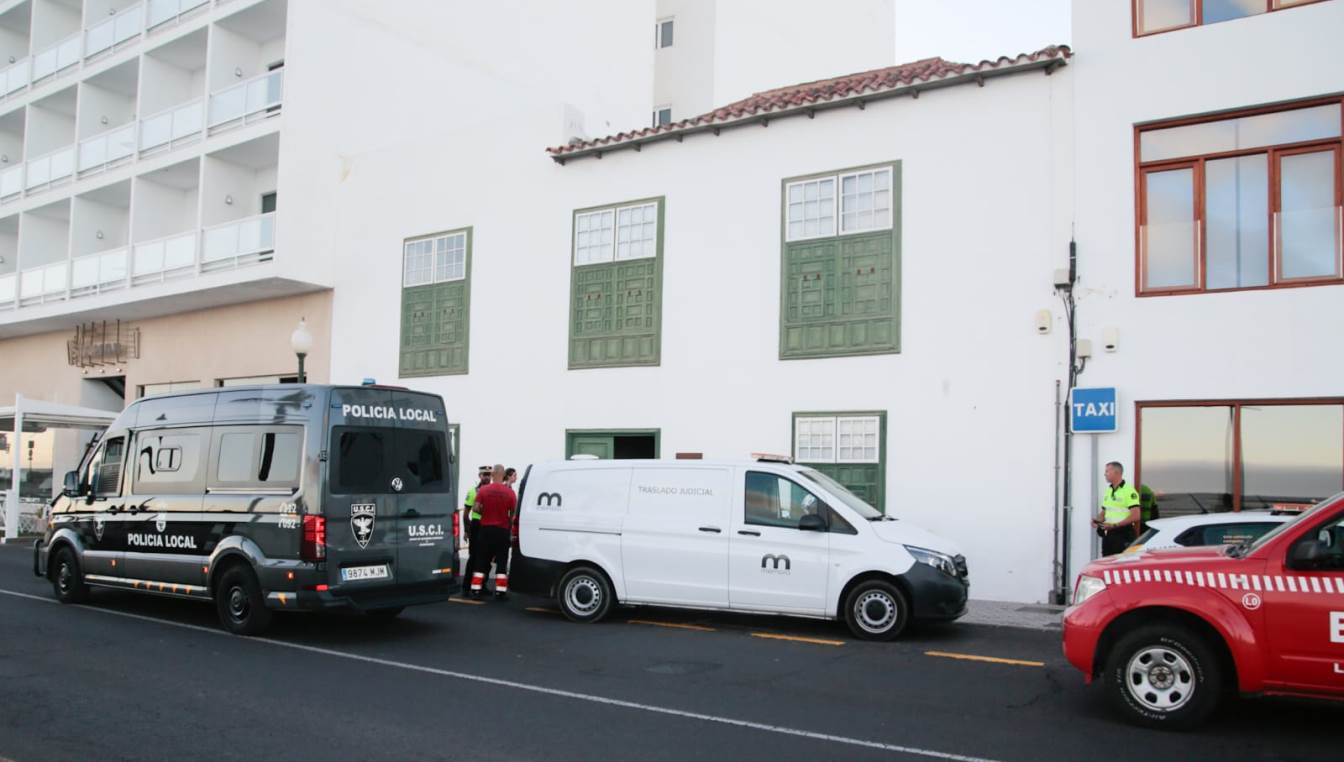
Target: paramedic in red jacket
x,y
496,503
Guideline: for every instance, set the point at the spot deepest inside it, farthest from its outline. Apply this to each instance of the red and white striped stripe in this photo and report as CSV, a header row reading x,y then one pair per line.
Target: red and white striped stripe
x,y
1268,583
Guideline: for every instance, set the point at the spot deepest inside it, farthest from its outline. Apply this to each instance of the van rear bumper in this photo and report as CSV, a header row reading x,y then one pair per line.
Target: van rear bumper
x,y
365,598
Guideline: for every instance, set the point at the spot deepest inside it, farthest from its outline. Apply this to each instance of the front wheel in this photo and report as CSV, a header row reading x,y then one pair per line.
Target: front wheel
x,y
584,595
66,579
876,610
1164,676
239,602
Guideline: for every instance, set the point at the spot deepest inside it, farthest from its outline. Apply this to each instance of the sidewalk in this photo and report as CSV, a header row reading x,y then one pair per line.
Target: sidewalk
x,y
1033,616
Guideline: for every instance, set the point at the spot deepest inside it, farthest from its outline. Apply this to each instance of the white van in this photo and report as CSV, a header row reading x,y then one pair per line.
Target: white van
x,y
762,536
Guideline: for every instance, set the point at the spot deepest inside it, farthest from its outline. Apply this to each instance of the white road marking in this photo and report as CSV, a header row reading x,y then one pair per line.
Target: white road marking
x,y
651,708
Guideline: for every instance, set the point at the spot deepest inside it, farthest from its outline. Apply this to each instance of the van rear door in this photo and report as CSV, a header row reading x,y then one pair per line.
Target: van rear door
x,y
361,508
424,532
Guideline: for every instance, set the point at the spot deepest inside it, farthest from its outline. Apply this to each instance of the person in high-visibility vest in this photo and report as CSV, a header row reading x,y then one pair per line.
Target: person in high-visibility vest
x,y
472,525
1121,512
1148,504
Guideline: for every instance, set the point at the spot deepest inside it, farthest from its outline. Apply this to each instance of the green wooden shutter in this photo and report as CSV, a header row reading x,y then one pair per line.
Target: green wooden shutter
x,y
863,479
436,326
616,310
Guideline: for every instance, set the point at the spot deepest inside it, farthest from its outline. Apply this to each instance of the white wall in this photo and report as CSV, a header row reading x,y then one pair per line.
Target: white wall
x,y
11,138
684,73
243,184
88,217
159,210
96,102
229,52
52,23
12,43
969,446
163,85
47,130
9,245
43,239
1270,343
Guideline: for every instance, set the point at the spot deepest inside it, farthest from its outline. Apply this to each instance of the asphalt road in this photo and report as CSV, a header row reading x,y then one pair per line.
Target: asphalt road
x,y
131,677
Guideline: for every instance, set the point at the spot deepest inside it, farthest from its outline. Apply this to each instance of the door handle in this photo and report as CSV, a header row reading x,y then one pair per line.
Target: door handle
x,y
749,532
132,509
113,508
715,530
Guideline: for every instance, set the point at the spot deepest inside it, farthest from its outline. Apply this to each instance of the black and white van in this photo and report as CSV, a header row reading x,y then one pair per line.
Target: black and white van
x,y
761,536
262,499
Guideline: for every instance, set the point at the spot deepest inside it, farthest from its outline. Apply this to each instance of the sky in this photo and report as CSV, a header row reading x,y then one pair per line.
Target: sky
x,y
970,30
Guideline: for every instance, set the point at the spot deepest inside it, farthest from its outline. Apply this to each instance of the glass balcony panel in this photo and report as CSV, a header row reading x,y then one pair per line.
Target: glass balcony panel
x,y
39,172
188,120
148,258
67,54
7,287
179,252
44,64
121,143
100,37
221,243
112,266
228,105
128,23
15,77
84,272
11,181
63,163
30,283
92,153
156,130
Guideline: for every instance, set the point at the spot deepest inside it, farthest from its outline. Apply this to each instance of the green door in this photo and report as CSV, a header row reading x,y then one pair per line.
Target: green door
x,y
589,444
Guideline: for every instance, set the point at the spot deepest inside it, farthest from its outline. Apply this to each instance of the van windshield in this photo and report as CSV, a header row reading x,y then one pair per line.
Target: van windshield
x,y
850,499
367,459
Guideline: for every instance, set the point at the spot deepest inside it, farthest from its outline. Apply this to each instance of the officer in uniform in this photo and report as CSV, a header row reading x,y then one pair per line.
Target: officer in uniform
x,y
1120,515
473,515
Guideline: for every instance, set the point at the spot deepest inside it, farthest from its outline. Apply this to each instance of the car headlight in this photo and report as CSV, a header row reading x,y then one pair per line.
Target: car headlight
x,y
1087,587
940,561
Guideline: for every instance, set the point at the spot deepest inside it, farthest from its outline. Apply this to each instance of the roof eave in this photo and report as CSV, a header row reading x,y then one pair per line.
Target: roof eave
x,y
764,118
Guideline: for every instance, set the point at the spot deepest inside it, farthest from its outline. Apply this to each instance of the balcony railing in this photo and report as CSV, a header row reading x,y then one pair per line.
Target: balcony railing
x,y
40,285
16,76
96,273
49,168
163,11
11,182
114,30
239,242
102,151
247,100
58,57
9,285
154,261
173,125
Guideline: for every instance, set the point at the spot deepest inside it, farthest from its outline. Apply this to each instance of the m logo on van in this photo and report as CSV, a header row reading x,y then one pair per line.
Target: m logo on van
x,y
361,522
549,499
775,562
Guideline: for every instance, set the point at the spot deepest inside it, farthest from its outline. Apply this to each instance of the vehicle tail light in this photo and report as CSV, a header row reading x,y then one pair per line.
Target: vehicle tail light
x,y
314,545
457,529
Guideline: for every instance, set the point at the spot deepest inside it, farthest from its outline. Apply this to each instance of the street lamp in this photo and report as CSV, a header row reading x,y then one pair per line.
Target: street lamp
x,y
301,341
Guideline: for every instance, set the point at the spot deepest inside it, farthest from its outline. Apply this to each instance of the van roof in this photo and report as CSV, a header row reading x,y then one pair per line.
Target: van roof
x,y
666,462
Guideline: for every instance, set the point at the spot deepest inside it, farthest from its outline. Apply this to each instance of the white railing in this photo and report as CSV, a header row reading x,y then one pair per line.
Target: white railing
x,y
110,147
95,273
62,55
50,167
9,285
172,125
157,259
163,11
247,99
16,76
114,30
11,181
42,284
238,242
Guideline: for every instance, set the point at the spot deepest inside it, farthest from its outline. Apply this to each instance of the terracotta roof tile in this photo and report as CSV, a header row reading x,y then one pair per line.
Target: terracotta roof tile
x,y
820,91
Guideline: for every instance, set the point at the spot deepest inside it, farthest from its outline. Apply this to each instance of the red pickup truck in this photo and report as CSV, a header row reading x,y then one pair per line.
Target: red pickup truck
x,y
1170,633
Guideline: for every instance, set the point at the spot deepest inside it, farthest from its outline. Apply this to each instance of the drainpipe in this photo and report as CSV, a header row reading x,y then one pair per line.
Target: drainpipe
x,y
1066,294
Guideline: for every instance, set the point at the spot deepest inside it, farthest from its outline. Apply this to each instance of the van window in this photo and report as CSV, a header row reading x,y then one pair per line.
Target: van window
x,y
169,461
775,501
106,468
258,458
368,459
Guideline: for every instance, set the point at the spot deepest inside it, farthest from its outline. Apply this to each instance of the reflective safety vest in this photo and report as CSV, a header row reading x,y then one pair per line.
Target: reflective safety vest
x,y
1117,502
473,514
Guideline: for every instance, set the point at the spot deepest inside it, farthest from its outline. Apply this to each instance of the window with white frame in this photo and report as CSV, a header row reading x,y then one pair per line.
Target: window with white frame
x,y
626,232
863,204
438,259
837,439
662,115
662,33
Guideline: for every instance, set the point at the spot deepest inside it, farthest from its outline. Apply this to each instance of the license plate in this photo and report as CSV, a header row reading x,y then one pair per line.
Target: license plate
x,y
353,573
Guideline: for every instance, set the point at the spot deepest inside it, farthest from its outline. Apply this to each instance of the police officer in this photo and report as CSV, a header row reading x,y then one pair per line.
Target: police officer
x,y
1119,516
474,516
496,503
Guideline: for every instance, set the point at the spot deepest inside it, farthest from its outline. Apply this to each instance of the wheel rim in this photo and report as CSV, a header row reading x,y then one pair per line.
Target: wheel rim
x,y
239,606
875,611
1160,679
583,595
65,577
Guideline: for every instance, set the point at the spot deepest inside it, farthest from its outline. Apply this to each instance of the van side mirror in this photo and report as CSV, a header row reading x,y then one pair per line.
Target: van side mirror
x,y
71,488
1307,554
812,523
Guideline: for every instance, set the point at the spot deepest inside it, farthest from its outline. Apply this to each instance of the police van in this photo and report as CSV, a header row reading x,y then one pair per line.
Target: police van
x,y
761,536
262,499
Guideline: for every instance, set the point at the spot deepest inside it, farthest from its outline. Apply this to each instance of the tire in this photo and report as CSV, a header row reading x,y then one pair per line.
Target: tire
x,y
384,615
876,610
67,581
584,595
1164,676
239,603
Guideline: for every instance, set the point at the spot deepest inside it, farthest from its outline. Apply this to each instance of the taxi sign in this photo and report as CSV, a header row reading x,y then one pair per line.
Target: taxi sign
x,y
1093,411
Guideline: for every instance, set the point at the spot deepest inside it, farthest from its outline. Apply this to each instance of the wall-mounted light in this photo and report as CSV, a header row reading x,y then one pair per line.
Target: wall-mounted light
x,y
228,200
98,235
102,120
4,158
12,59
111,11
238,71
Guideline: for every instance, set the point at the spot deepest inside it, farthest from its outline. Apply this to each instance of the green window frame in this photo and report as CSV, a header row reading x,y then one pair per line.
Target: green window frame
x,y
436,304
616,285
848,446
840,256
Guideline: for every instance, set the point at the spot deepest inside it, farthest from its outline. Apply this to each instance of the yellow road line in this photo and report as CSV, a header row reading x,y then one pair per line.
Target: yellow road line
x,y
990,659
540,610
798,639
675,625
467,601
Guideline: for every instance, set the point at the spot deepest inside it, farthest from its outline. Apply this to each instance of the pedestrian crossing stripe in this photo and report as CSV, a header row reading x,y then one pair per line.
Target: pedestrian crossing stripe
x,y
1259,583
